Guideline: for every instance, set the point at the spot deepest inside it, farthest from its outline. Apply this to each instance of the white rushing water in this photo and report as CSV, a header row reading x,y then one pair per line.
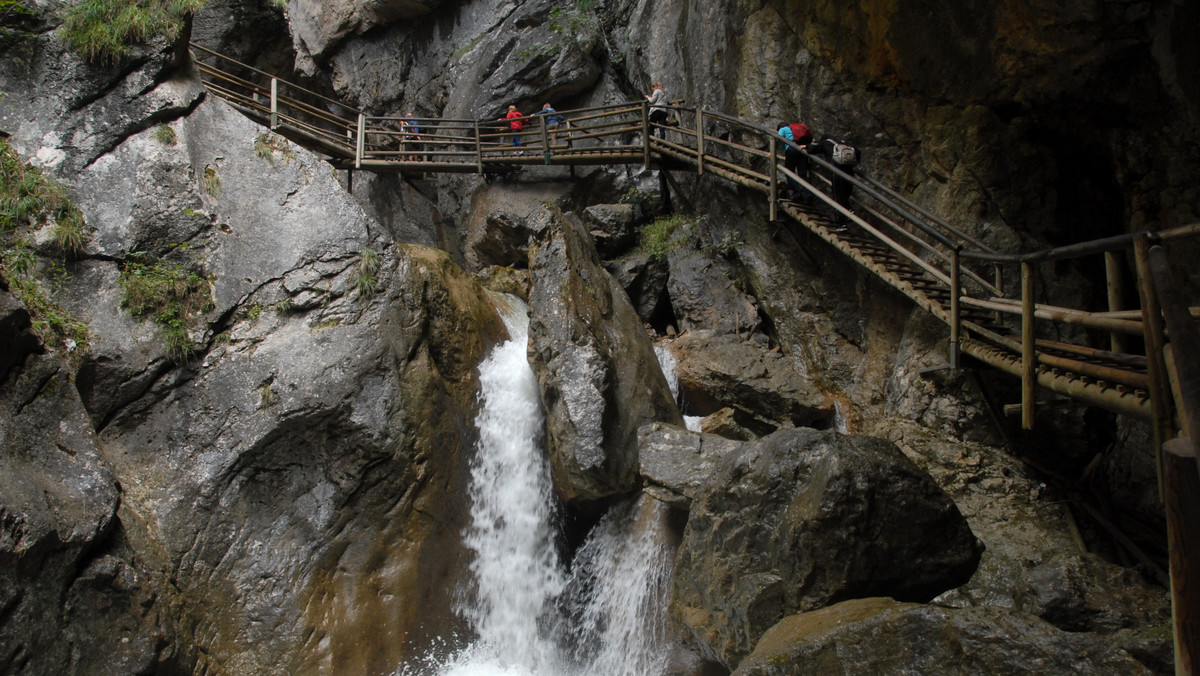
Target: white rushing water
x,y
531,614
668,364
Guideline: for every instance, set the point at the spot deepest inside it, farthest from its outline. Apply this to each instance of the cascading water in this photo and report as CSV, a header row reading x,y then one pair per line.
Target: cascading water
x,y
531,617
666,362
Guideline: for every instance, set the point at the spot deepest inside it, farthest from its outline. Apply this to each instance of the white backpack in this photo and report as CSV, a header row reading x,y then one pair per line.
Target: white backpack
x,y
844,155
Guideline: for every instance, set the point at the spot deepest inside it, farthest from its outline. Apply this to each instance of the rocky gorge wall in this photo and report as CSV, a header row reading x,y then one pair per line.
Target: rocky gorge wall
x,y
290,498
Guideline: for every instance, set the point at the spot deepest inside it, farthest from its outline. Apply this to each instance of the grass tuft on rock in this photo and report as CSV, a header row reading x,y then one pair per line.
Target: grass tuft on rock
x,y
169,293
103,30
30,201
659,236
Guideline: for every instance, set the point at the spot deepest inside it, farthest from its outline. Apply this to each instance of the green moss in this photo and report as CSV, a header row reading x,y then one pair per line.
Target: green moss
x,y
267,144
169,293
658,237
30,201
103,30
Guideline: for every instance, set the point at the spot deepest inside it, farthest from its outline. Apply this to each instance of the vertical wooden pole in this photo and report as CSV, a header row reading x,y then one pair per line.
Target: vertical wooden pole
x,y
274,103
1183,545
478,149
774,174
699,140
999,270
1028,347
955,309
646,133
361,143
1116,291
1152,328
545,140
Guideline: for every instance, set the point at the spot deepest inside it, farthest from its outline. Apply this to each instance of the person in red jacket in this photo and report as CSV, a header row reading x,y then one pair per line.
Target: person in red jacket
x,y
514,116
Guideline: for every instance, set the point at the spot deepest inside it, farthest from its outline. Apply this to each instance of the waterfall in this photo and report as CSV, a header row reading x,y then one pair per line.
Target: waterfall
x,y
531,615
667,362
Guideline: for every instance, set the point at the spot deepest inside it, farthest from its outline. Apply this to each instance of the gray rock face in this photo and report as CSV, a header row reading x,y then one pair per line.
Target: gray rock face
x,y
69,603
17,340
803,518
703,294
644,280
881,636
92,108
719,371
613,227
319,26
674,462
596,367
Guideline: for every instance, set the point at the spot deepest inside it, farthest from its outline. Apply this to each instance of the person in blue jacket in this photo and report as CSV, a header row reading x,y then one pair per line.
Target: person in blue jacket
x,y
553,119
794,157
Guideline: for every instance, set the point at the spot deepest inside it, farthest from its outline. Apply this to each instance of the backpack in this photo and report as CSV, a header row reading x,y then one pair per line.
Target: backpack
x,y
844,155
799,132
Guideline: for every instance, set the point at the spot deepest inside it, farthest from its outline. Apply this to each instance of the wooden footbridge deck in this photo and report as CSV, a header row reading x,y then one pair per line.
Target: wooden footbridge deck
x,y
1138,361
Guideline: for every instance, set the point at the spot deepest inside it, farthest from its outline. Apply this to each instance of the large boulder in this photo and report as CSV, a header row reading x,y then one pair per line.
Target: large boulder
x,y
802,519
883,636
599,377
718,371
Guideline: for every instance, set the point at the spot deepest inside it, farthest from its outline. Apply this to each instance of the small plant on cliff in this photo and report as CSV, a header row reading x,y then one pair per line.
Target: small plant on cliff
x,y
658,237
165,134
365,279
266,145
30,201
103,30
172,294
212,182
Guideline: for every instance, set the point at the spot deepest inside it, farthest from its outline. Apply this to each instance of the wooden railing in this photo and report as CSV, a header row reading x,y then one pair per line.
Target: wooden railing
x,y
987,299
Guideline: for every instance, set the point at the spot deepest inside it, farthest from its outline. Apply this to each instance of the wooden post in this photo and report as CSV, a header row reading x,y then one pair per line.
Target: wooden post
x,y
545,140
361,143
1028,347
774,174
699,140
478,149
955,309
1116,289
1183,545
274,103
1152,327
646,133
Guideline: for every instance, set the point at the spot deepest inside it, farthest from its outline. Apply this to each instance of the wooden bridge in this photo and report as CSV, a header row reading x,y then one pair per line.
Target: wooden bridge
x,y
1139,361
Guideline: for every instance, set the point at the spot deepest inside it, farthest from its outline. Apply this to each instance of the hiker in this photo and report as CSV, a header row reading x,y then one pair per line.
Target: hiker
x,y
844,156
658,110
514,116
552,120
795,159
411,135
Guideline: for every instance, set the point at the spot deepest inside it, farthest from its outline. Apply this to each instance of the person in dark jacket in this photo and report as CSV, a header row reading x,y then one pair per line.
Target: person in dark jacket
x,y
844,157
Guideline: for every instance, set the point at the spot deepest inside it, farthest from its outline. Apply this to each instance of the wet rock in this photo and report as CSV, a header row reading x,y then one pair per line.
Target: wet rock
x,y
801,519
644,281
1032,562
613,227
882,636
595,364
704,294
58,519
718,371
674,462
17,340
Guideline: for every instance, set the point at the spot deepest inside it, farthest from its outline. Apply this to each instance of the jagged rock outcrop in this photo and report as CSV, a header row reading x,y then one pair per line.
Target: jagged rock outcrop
x,y
876,635
802,519
674,462
599,377
718,371
58,514
1032,562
